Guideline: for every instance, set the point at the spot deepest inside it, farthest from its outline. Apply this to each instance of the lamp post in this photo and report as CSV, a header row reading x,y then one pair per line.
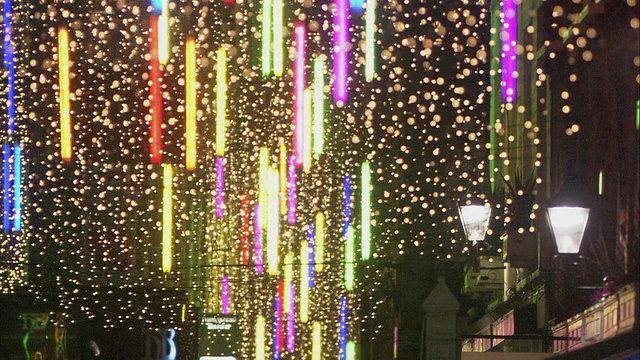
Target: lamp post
x,y
475,220
568,224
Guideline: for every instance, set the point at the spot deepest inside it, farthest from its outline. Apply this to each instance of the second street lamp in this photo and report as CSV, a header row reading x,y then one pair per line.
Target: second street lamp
x,y
568,224
475,220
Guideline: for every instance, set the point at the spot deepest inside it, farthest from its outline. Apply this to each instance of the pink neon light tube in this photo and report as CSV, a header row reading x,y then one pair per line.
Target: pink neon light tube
x,y
257,242
340,45
219,187
299,80
291,196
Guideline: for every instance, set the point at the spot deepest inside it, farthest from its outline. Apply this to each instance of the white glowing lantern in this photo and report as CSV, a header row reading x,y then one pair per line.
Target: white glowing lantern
x,y
568,224
475,220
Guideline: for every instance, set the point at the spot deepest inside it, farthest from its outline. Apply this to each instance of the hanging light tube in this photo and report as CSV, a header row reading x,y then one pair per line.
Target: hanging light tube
x,y
167,218
283,178
9,64
311,259
191,109
306,130
156,7
343,328
349,260
304,282
266,36
291,322
346,204
288,279
6,188
17,188
509,38
226,292
257,240
65,101
299,93
155,95
281,312
260,338
244,244
292,191
277,323
219,187
221,101
316,341
365,215
273,222
340,46
351,350
164,37
318,104
395,341
263,186
357,5
319,253
278,37
600,182
370,29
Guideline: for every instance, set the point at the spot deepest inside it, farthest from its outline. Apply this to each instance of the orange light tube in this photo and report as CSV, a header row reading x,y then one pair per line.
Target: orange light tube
x,y
65,104
155,95
190,83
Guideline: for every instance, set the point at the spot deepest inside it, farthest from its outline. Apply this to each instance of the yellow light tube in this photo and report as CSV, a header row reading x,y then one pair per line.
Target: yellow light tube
x,y
190,128
266,36
167,217
273,221
263,186
283,178
319,251
365,209
278,37
164,38
304,282
318,104
260,338
316,341
65,102
221,101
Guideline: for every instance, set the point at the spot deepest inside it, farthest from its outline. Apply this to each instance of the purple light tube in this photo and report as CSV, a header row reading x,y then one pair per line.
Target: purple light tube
x,y
291,322
343,328
312,256
509,46
219,186
340,45
292,178
277,327
225,295
346,205
257,242
280,310
299,80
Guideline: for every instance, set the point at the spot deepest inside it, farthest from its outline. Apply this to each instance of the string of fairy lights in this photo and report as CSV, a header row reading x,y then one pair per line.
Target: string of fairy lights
x,y
261,157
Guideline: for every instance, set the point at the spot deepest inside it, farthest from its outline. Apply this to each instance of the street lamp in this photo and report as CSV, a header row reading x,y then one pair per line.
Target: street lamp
x,y
568,224
475,220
